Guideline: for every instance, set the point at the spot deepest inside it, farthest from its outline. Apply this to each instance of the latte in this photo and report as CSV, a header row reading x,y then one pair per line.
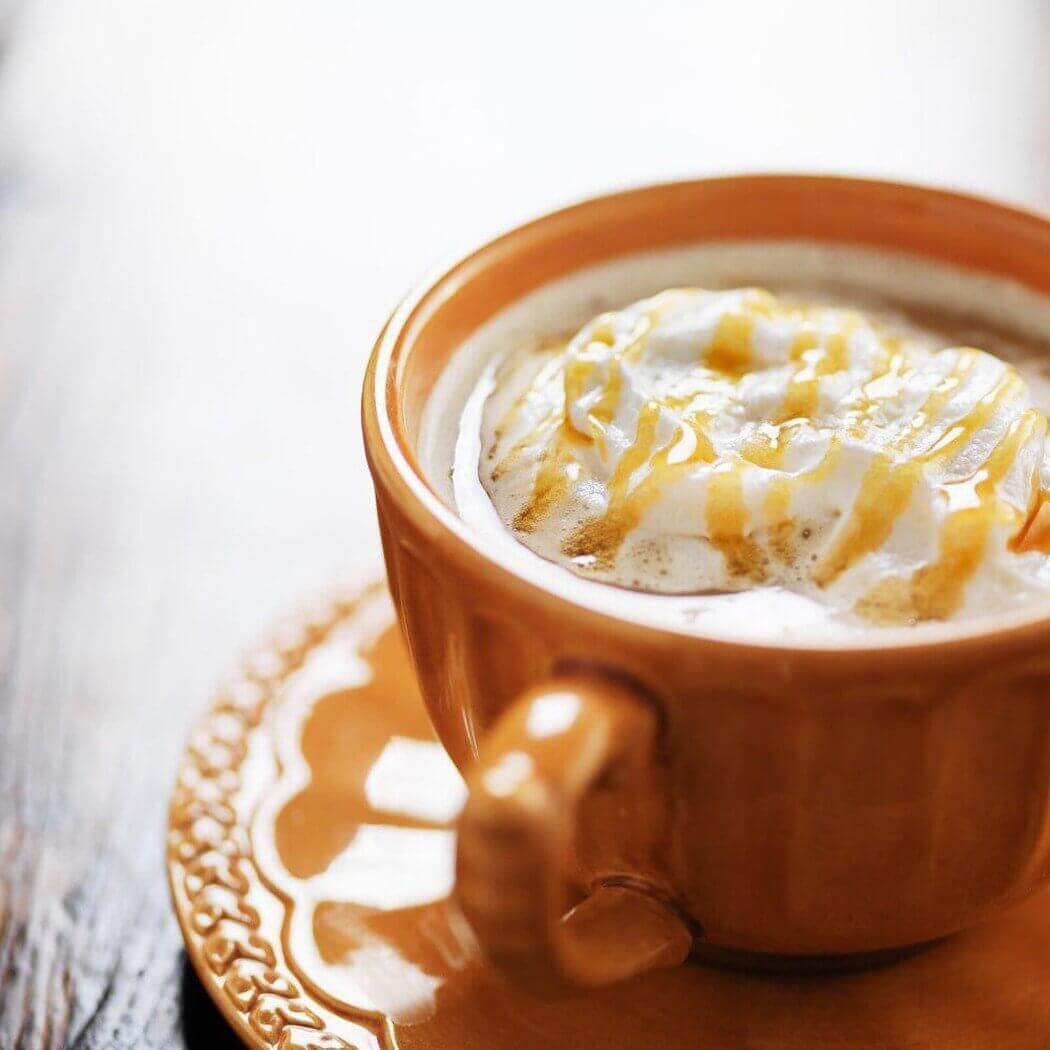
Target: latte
x,y
861,446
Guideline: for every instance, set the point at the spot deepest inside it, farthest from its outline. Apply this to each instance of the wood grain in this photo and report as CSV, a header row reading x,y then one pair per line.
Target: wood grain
x,y
206,209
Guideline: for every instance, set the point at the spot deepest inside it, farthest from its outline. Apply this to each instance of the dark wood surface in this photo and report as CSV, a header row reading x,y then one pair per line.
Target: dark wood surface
x,y
206,209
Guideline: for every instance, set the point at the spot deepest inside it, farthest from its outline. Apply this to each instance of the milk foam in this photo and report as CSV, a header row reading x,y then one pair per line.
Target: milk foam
x,y
767,439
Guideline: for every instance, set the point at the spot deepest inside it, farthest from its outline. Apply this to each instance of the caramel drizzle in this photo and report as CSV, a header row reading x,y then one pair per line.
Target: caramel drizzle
x,y
727,522
1034,534
815,358
552,481
601,538
780,493
932,407
551,419
815,355
551,484
887,486
937,588
885,490
729,352
935,591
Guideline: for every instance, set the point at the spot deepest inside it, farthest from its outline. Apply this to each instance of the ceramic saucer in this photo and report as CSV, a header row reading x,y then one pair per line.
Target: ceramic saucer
x,y
310,856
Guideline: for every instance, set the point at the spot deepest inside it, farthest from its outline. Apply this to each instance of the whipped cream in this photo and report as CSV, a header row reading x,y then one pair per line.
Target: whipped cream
x,y
703,441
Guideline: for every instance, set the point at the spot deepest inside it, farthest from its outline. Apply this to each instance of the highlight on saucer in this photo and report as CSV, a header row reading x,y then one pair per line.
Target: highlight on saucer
x,y
705,441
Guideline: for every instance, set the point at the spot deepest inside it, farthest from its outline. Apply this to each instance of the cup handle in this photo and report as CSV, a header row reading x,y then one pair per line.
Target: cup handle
x,y
516,832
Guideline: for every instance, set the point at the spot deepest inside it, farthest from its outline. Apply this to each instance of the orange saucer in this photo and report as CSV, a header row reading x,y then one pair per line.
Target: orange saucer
x,y
310,858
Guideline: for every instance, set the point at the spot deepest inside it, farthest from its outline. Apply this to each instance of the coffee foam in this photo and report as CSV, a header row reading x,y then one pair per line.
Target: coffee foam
x,y
977,306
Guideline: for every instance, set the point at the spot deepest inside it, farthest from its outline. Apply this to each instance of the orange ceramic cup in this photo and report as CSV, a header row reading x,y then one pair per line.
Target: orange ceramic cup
x,y
638,793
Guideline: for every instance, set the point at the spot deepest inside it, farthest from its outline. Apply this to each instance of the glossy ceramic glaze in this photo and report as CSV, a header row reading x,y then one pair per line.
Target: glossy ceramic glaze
x,y
810,801
310,848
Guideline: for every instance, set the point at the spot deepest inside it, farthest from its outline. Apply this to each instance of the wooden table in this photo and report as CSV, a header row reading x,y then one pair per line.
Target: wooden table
x,y
207,209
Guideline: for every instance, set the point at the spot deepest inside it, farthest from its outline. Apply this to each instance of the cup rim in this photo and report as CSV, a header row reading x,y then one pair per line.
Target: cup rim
x,y
393,462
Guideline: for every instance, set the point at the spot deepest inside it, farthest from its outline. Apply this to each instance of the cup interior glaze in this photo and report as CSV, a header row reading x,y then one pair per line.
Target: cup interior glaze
x,y
819,799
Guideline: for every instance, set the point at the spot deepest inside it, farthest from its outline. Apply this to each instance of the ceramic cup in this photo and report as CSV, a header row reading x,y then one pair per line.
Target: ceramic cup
x,y
637,794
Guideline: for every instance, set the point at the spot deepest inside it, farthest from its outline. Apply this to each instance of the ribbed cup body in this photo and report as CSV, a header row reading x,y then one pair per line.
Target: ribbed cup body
x,y
853,810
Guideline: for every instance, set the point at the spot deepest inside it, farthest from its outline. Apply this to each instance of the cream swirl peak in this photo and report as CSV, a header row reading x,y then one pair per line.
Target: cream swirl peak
x,y
702,441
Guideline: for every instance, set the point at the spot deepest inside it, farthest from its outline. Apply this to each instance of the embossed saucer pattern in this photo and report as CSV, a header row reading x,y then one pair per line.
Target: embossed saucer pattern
x,y
310,855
